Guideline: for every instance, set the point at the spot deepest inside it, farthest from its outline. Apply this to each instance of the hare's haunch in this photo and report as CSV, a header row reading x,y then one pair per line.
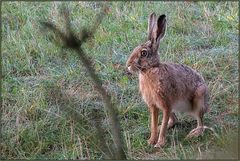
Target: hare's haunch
x,y
167,86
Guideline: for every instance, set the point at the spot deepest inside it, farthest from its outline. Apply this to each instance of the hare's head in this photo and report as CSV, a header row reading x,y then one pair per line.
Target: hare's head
x,y
146,55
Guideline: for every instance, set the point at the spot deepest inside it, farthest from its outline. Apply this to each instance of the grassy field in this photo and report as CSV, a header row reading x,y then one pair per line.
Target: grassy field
x,y
203,35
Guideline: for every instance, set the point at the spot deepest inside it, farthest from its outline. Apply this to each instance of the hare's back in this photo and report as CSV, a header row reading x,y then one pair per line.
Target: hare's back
x,y
184,73
178,80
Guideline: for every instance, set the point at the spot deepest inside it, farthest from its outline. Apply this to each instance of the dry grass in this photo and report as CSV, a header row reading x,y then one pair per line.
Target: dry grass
x,y
203,35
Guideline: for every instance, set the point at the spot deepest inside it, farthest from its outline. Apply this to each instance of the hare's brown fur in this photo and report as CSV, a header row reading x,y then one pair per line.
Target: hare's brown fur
x,y
169,82
167,86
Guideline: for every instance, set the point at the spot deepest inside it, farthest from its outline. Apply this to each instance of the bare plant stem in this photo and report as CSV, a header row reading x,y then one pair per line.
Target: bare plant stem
x,y
72,42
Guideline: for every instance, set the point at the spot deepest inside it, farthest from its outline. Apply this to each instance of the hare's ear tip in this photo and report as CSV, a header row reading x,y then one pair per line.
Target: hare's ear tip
x,y
163,16
153,13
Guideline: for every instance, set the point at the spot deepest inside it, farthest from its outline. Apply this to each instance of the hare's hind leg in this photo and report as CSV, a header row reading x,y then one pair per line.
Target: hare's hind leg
x,y
172,120
154,124
198,111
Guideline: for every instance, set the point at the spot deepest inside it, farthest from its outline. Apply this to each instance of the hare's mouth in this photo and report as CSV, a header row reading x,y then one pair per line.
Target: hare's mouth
x,y
129,68
132,69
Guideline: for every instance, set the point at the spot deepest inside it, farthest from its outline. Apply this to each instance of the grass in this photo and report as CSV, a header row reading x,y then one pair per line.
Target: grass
x,y
203,35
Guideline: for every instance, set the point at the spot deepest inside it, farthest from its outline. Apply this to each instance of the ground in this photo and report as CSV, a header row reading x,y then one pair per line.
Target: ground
x,y
48,98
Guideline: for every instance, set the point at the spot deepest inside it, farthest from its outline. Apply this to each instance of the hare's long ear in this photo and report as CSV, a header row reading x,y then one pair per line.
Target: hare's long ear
x,y
161,27
159,31
151,24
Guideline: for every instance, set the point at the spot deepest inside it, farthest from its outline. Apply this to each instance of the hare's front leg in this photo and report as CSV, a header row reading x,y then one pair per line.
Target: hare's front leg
x,y
163,131
154,124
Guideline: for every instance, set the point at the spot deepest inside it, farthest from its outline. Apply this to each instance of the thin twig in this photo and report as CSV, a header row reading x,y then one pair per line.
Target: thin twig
x,y
72,42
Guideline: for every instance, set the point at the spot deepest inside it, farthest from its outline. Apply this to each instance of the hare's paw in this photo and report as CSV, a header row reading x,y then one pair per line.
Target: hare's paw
x,y
152,140
195,132
160,143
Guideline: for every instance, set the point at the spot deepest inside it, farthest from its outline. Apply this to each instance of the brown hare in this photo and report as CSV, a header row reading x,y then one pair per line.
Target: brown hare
x,y
167,86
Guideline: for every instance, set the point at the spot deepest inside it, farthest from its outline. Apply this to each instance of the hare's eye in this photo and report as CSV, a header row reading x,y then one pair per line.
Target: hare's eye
x,y
144,53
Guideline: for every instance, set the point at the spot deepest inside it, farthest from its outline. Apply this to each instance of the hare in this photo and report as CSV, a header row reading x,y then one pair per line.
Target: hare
x,y
167,86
